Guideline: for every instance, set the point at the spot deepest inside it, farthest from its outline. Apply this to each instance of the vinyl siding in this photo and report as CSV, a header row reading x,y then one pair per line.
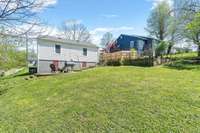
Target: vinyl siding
x,y
46,51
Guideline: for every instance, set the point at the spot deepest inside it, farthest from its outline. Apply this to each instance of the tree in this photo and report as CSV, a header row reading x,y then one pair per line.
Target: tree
x,y
185,11
173,34
106,39
193,29
159,20
161,48
17,12
11,57
74,30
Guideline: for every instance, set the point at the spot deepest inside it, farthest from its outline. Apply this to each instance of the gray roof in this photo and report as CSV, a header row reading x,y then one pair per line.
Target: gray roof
x,y
61,40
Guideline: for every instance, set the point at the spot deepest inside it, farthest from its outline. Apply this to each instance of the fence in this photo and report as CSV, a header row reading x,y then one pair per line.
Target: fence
x,y
131,58
119,55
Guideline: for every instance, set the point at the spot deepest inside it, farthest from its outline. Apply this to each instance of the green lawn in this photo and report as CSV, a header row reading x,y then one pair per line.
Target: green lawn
x,y
190,55
110,99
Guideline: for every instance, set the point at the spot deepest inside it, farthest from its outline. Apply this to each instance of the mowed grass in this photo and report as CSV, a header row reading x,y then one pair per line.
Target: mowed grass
x,y
190,55
110,99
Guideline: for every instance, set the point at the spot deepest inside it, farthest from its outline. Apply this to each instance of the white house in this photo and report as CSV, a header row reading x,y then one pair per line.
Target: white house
x,y
59,52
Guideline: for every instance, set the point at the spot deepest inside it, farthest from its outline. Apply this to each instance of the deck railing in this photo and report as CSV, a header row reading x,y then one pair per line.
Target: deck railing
x,y
144,58
119,55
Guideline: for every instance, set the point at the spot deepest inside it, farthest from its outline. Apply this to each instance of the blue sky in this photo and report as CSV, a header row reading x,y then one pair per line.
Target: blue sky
x,y
100,16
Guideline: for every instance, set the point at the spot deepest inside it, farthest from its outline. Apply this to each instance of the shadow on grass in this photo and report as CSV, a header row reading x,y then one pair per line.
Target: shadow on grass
x,y
184,65
4,91
22,74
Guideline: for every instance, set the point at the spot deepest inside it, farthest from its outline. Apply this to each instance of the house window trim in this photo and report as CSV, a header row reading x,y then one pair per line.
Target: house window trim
x,y
85,53
132,44
139,42
56,49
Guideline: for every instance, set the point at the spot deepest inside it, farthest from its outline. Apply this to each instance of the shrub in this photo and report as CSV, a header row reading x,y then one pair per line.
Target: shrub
x,y
113,63
144,62
161,48
11,57
2,73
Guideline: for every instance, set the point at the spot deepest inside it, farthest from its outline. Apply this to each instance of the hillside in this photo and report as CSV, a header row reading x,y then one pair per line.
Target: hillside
x,y
123,99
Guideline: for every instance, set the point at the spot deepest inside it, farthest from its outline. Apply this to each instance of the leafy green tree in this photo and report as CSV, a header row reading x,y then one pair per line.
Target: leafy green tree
x,y
173,33
193,28
161,48
184,12
11,57
157,24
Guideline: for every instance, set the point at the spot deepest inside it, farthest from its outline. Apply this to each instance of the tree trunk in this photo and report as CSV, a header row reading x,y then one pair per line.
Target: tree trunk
x,y
169,49
198,50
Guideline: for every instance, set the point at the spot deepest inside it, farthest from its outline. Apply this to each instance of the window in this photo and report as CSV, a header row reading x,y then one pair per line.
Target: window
x,y
58,49
132,44
85,51
141,44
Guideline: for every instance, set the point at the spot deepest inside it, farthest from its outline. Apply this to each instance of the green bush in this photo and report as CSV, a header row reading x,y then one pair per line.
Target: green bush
x,y
144,62
11,57
113,63
161,48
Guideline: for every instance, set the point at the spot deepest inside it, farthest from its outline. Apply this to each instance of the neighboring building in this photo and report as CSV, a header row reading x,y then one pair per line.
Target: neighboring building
x,y
184,47
60,52
128,42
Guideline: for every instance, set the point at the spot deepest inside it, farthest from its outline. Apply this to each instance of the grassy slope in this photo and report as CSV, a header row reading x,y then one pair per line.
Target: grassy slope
x,y
124,99
184,55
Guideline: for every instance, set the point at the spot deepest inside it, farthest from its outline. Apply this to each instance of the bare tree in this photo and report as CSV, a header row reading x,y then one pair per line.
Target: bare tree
x,y
14,13
74,30
106,39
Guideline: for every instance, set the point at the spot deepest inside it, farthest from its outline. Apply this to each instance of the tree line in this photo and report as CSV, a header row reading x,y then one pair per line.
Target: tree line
x,y
166,23
172,23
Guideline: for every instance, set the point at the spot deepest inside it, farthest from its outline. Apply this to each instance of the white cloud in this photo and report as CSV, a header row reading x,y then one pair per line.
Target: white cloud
x,y
97,33
110,29
110,16
49,2
36,30
155,2
96,39
43,4
52,31
73,21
